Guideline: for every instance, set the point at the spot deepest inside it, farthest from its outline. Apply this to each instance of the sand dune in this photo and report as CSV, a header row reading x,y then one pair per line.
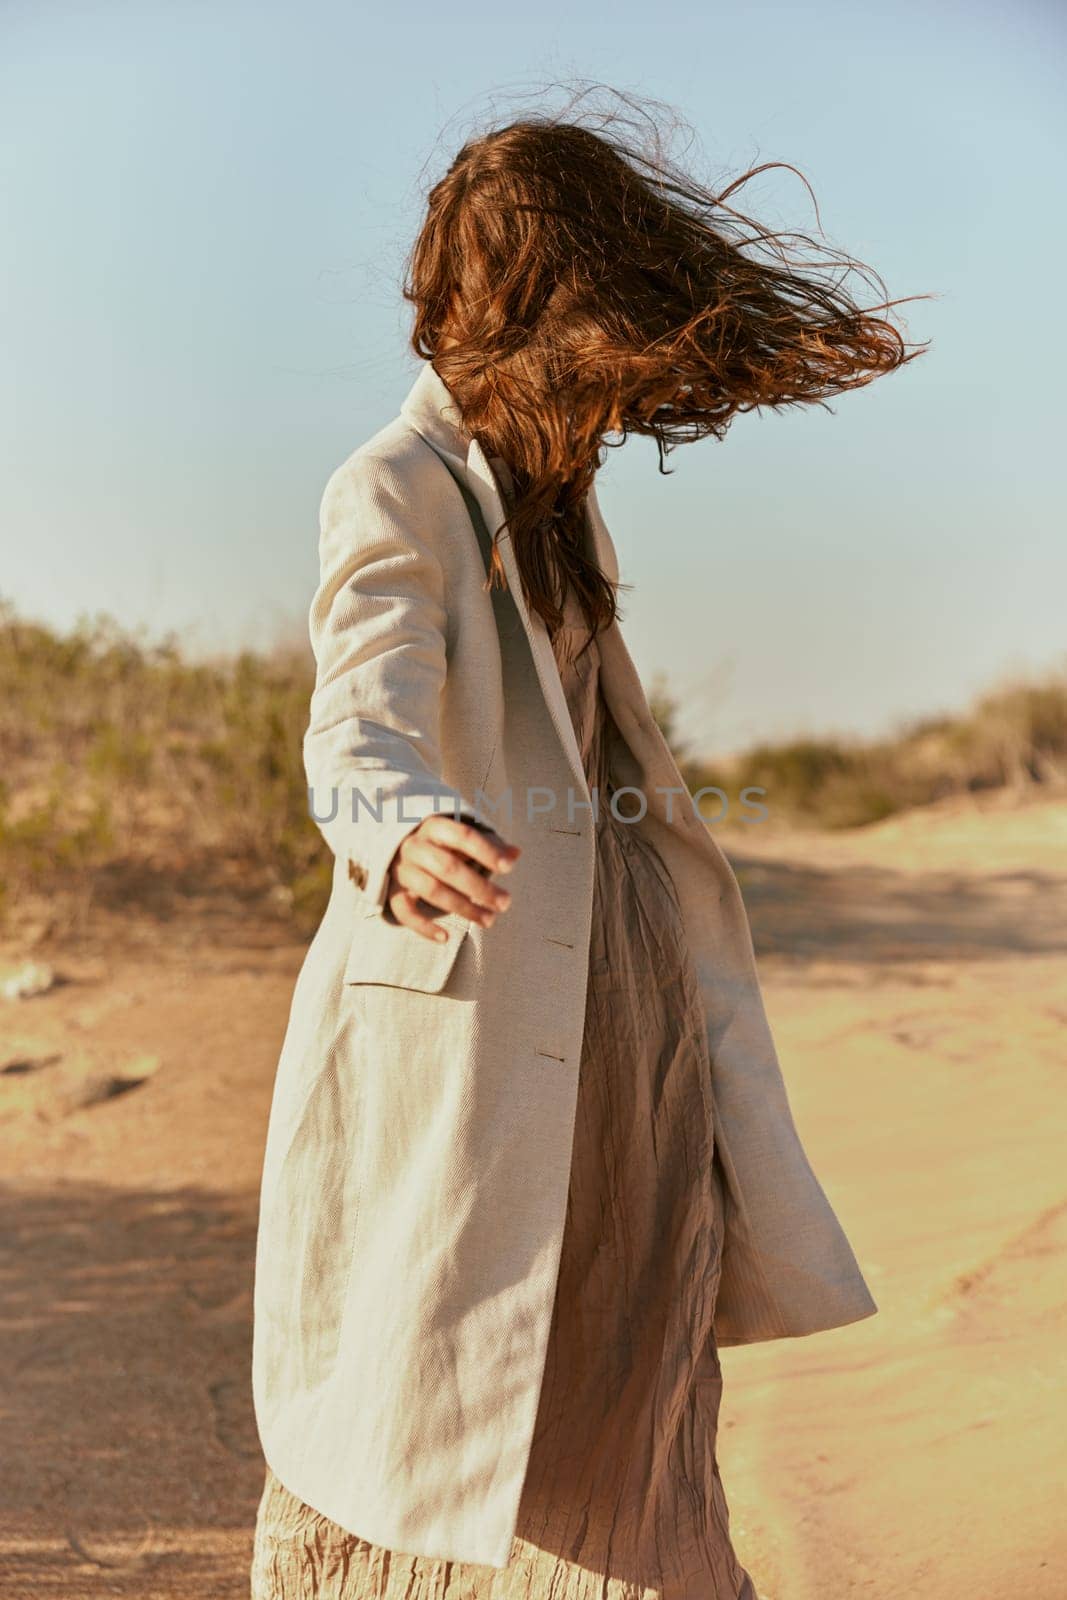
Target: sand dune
x,y
916,977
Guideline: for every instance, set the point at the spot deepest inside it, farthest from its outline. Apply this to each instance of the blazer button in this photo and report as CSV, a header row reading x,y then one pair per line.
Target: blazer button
x,y
358,874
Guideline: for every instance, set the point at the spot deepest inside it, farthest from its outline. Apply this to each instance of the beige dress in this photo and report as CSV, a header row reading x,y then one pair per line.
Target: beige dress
x,y
622,1498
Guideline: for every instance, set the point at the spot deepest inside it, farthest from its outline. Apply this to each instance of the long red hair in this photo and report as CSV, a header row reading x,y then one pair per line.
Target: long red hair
x,y
569,285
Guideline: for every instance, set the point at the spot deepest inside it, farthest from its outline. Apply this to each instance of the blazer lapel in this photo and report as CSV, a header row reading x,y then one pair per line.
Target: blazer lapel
x,y
431,409
484,486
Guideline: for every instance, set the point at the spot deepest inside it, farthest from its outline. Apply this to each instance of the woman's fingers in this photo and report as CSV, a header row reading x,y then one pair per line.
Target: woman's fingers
x,y
404,908
470,883
413,879
481,844
445,864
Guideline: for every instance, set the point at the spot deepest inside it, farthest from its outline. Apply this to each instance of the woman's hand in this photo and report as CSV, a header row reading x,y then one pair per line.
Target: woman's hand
x,y
445,863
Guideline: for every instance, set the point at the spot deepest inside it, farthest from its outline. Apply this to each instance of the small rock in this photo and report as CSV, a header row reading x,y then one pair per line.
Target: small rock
x,y
17,1064
35,977
97,1086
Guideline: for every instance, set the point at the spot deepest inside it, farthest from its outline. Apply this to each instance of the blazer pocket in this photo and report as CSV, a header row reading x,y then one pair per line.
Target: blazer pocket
x,y
392,954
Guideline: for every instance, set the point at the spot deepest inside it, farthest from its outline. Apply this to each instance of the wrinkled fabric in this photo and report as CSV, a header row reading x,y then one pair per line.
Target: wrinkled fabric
x,y
418,1157
622,1498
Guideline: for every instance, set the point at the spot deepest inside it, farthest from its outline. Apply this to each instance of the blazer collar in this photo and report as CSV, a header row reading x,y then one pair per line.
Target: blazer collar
x,y
431,409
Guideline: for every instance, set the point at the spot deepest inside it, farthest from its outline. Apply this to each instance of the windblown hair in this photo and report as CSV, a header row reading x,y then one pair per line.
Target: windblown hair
x,y
568,285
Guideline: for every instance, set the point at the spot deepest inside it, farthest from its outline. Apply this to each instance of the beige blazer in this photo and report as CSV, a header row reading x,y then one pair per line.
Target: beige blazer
x,y
418,1153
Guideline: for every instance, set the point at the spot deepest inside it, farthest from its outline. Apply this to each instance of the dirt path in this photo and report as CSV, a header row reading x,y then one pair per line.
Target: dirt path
x,y
916,977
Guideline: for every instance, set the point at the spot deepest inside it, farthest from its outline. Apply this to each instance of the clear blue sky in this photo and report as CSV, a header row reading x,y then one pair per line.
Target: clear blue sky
x,y
206,213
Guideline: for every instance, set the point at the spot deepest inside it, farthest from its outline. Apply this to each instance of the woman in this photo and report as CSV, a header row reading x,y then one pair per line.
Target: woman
x,y
530,1161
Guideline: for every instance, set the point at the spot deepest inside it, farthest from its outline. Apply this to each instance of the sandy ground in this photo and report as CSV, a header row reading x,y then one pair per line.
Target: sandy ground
x,y
916,978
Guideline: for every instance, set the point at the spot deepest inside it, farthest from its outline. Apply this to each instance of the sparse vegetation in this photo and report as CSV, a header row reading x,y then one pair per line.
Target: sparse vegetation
x,y
127,770
119,754
1012,736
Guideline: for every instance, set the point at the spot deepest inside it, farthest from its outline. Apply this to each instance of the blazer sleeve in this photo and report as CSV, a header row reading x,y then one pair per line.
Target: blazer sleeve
x,y
377,623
